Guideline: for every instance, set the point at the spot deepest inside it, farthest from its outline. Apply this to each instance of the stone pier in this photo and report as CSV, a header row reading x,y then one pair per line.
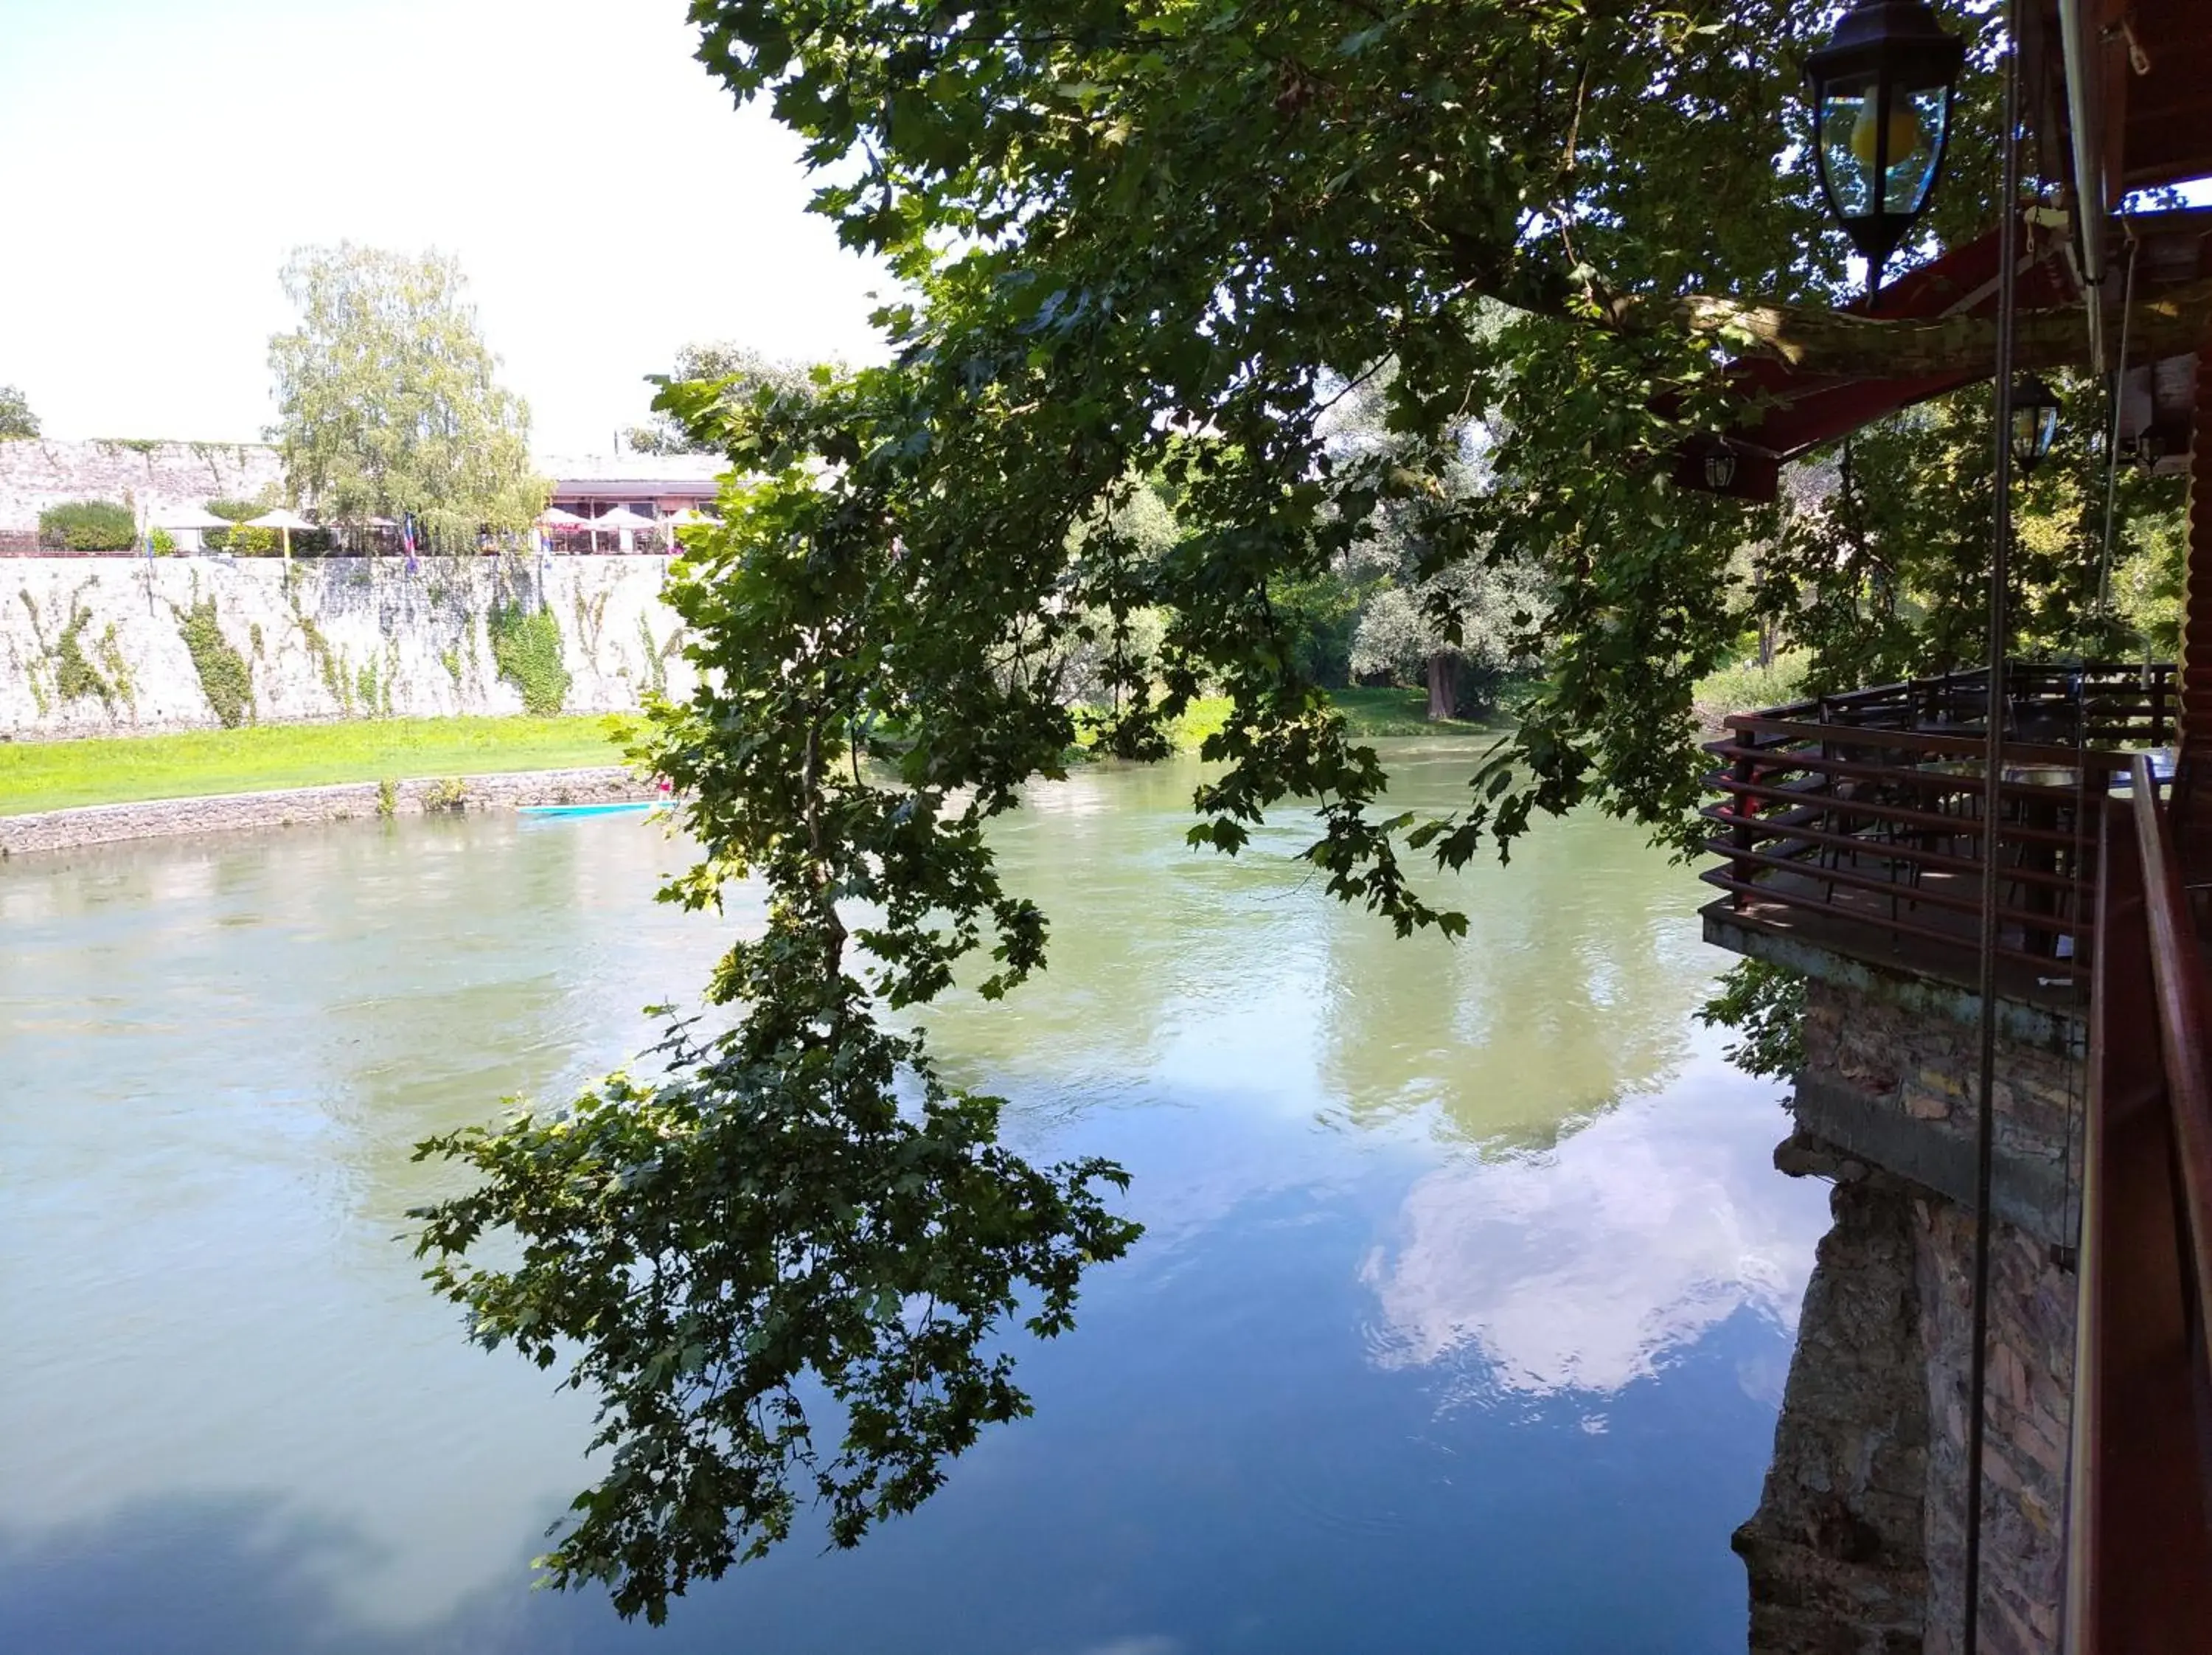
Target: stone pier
x,y
1857,1547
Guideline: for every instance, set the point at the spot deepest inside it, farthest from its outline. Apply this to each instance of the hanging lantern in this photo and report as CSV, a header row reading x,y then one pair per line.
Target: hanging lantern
x,y
2035,408
1881,113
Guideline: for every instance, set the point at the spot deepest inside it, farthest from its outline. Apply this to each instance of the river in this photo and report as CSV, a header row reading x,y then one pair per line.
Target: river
x,y
1460,1322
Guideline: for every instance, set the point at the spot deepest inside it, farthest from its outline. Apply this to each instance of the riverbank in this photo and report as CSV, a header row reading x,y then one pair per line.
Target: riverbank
x,y
283,807
53,776
99,790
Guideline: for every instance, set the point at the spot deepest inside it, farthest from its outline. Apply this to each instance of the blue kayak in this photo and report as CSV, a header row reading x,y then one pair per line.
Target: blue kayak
x,y
584,810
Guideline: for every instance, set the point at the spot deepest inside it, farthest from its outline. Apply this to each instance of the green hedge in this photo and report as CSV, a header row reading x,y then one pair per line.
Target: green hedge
x,y
90,525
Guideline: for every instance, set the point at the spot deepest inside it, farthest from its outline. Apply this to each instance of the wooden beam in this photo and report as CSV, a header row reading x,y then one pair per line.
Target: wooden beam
x,y
1850,346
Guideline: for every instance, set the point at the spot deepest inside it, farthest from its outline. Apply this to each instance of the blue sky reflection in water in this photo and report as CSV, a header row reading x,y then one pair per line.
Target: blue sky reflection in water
x,y
1461,1322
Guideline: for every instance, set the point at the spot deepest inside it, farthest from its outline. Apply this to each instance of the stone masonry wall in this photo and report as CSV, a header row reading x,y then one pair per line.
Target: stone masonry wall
x,y
349,801
1895,1084
98,646
1878,1393
35,473
2030,1385
1835,1553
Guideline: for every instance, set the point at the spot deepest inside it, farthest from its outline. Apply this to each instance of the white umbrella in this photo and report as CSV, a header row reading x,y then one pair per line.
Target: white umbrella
x,y
189,521
622,520
556,517
284,522
187,517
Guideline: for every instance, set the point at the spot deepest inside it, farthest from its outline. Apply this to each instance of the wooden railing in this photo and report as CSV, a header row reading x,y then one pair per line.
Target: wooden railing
x,y
2103,703
1863,812
2139,1521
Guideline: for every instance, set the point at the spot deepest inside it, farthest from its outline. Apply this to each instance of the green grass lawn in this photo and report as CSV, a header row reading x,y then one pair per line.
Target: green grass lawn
x,y
110,770
1402,712
1367,713
119,770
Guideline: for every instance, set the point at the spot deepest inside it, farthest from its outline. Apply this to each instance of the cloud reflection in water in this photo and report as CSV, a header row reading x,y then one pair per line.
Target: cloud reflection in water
x,y
1589,1267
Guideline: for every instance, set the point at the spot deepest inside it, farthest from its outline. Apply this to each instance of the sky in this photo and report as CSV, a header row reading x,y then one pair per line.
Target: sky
x,y
160,160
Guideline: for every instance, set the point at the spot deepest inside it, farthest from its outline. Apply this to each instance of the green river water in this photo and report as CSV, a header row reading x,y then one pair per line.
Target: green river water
x,y
1460,1322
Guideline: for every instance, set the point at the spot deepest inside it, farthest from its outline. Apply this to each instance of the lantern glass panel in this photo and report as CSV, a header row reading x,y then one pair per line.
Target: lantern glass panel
x,y
1857,140
1916,118
2034,428
1849,182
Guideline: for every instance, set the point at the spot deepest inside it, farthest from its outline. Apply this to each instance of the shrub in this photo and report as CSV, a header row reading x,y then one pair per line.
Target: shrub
x,y
525,648
90,525
243,542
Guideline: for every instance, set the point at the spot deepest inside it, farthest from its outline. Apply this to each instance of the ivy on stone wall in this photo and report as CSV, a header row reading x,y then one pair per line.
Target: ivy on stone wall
x,y
74,676
525,648
328,662
115,673
225,679
658,655
590,620
63,664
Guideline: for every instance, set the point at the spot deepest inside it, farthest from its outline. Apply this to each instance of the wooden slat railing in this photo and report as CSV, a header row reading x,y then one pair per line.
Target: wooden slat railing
x,y
2114,703
1866,807
2139,1520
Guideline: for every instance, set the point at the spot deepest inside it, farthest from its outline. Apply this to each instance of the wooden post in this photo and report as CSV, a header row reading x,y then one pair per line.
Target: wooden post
x,y
2139,1567
1747,772
2192,782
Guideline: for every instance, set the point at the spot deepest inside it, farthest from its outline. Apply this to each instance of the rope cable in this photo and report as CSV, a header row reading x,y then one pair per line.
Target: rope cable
x,y
1992,809
2112,432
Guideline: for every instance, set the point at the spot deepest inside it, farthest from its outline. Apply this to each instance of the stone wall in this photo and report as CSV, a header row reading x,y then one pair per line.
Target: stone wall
x,y
103,824
1858,1544
2030,1385
35,474
1836,1551
100,646
1894,1082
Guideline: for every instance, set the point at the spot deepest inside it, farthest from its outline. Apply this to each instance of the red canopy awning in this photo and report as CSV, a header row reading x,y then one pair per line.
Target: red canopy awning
x,y
1788,411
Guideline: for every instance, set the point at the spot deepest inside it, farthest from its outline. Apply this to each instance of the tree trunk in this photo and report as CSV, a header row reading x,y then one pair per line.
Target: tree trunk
x,y
1443,686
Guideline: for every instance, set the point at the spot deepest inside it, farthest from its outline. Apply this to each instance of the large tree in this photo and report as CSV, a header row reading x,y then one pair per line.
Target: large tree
x,y
1143,239
742,370
1427,615
388,400
17,419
